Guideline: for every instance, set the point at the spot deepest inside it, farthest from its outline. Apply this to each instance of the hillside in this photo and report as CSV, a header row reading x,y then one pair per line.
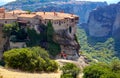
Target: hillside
x,y
96,51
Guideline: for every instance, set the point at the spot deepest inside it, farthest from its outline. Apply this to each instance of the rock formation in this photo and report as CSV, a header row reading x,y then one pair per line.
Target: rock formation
x,y
104,21
68,43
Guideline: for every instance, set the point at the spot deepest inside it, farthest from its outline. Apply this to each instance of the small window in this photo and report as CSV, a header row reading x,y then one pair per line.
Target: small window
x,y
72,20
45,22
5,21
59,23
70,29
55,22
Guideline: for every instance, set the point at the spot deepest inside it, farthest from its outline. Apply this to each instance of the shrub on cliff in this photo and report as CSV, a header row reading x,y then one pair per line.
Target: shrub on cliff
x,y
30,59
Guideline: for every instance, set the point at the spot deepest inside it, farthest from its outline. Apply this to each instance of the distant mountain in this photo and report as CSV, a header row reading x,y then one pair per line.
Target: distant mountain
x,y
80,8
103,23
33,1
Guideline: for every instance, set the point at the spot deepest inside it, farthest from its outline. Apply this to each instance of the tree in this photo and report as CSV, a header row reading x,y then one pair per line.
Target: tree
x,y
10,28
30,59
101,70
34,38
40,52
70,70
52,47
7,29
50,31
115,65
44,39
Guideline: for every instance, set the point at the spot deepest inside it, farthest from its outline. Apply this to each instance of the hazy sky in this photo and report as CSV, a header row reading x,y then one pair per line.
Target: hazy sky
x,y
109,1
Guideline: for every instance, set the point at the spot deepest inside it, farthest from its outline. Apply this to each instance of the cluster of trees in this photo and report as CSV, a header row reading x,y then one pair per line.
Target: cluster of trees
x,y
35,58
101,51
14,32
102,70
44,39
70,70
30,59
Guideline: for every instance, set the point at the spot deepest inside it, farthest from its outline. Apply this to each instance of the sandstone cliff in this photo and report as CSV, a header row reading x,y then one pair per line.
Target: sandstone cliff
x,y
104,21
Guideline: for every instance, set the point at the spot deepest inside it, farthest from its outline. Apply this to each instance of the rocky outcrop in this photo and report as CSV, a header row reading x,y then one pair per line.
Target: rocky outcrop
x,y
80,8
104,21
67,43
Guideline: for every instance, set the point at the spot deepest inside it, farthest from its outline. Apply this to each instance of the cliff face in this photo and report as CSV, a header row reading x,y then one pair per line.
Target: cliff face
x,y
80,8
68,43
105,21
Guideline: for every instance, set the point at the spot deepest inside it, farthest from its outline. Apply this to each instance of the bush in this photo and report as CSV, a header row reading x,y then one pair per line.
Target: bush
x,y
70,70
53,48
51,66
101,70
40,52
66,76
30,59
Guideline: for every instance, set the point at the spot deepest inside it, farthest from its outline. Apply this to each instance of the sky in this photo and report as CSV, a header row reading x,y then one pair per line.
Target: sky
x,y
108,1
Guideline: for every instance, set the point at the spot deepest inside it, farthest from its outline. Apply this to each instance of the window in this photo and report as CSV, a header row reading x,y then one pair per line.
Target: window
x,y
70,29
5,21
45,22
59,23
72,20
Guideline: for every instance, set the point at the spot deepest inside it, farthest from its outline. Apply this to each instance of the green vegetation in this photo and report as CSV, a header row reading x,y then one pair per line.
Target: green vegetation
x,y
14,32
70,70
45,37
8,29
101,51
30,59
52,47
34,38
102,70
17,34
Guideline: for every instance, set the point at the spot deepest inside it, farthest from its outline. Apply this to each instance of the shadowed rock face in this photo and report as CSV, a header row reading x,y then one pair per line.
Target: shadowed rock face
x,y
103,22
67,42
